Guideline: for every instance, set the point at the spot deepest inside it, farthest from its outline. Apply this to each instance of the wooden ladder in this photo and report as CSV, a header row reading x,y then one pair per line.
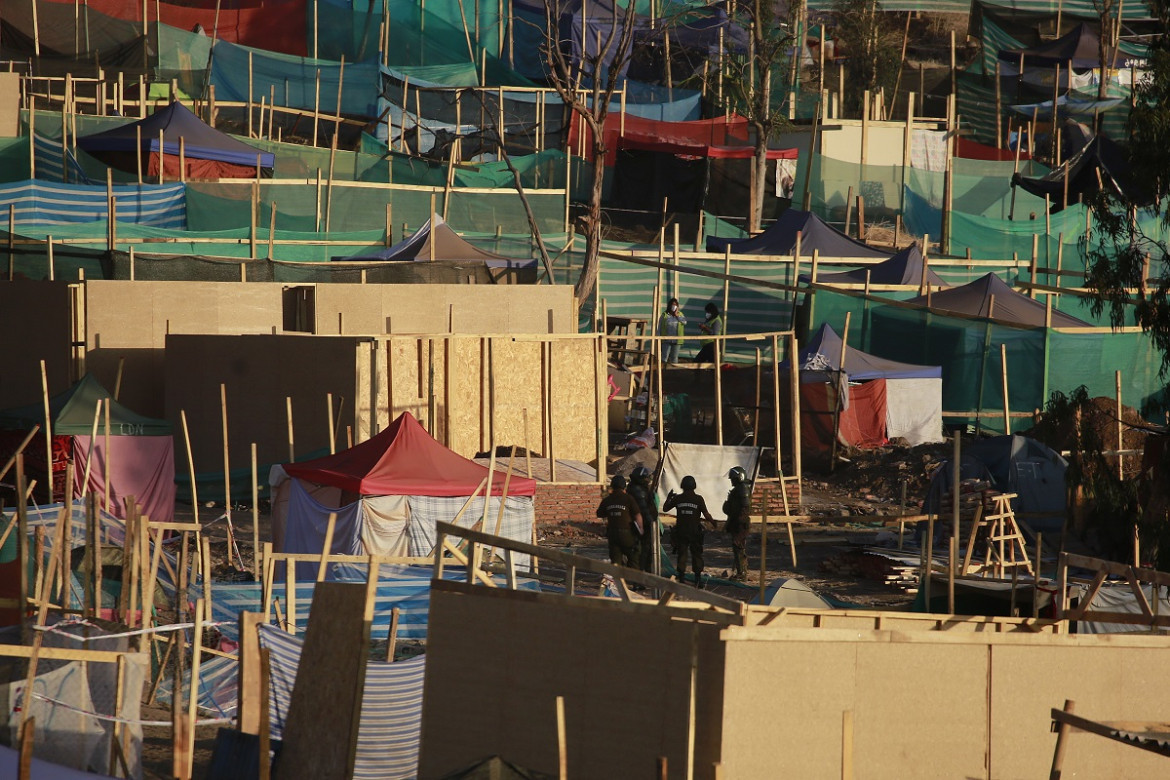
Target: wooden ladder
x,y
1006,547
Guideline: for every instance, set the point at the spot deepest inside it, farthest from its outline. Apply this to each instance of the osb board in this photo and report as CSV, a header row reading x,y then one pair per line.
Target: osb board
x,y
1108,683
260,372
9,105
495,665
128,322
892,621
35,320
320,735
482,388
372,309
917,712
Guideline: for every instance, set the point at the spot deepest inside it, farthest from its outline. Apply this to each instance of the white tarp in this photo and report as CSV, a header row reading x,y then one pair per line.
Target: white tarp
x,y
708,464
914,410
1120,598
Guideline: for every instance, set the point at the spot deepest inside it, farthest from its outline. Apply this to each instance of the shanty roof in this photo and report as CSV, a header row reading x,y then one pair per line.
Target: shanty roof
x,y
449,246
976,299
903,268
72,414
823,353
780,239
404,460
176,122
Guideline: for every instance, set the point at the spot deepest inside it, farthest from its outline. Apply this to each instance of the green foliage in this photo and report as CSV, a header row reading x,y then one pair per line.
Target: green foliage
x,y
872,44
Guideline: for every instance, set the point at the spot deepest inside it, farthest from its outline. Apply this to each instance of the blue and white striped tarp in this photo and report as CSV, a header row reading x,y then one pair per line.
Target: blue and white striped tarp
x,y
52,161
45,203
219,693
388,734
405,587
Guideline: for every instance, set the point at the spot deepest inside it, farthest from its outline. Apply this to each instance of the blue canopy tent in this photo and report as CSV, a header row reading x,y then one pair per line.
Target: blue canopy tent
x,y
884,399
904,268
206,153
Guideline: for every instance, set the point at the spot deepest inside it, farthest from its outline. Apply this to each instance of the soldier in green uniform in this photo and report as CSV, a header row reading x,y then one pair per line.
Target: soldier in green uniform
x,y
691,510
737,508
623,523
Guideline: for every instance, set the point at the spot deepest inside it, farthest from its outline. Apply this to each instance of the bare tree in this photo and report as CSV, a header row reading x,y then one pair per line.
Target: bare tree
x,y
586,83
747,79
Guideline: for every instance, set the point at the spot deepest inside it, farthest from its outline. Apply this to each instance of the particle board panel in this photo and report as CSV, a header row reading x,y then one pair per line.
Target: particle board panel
x,y
260,371
320,734
349,309
625,679
407,391
35,320
464,416
513,385
788,722
9,105
1108,682
574,400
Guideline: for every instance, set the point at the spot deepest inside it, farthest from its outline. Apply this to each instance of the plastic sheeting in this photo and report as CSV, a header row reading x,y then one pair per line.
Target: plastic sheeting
x,y
861,421
1119,597
388,736
914,410
709,465
43,203
139,466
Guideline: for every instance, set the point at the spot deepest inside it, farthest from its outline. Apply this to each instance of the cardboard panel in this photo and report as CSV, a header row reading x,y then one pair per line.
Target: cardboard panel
x,y
36,315
497,662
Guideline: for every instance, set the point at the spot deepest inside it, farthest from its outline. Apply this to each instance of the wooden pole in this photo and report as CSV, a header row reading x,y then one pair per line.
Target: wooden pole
x,y
562,746
255,517
190,465
1120,428
289,414
1007,416
841,391
48,432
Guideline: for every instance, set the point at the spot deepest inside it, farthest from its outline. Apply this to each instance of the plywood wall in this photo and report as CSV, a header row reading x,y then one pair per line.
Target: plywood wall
x,y
35,320
259,372
931,704
474,392
497,662
128,322
372,309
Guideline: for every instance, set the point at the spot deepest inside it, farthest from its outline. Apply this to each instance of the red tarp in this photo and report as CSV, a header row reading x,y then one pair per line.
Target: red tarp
x,y
721,138
863,424
404,460
273,25
973,150
197,168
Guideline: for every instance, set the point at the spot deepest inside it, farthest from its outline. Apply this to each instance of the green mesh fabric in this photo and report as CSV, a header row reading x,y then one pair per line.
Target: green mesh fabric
x,y
1040,360
14,159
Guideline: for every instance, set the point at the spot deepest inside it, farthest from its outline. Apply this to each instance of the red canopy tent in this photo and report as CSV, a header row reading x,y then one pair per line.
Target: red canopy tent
x,y
404,460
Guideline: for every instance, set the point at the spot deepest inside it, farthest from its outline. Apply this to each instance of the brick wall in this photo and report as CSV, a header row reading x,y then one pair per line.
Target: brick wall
x,y
767,496
566,503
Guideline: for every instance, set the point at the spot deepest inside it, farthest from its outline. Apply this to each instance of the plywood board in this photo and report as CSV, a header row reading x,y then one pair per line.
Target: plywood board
x,y
35,323
9,105
1107,682
320,734
625,679
374,309
259,371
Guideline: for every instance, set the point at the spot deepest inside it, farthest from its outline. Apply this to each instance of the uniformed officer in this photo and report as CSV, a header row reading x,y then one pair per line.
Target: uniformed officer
x,y
623,523
691,510
737,508
648,507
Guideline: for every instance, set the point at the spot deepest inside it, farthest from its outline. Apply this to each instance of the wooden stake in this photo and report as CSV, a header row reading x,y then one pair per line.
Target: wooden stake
x,y
562,747
255,517
392,636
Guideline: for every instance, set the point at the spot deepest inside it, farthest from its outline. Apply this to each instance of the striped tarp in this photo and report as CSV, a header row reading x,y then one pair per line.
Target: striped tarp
x,y
45,203
52,161
388,734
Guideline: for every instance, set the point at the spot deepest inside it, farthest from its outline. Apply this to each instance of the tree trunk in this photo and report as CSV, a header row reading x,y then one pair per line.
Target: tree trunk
x,y
587,281
760,124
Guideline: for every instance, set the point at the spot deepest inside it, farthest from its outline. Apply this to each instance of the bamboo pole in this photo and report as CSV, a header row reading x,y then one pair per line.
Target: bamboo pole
x,y
48,432
1007,415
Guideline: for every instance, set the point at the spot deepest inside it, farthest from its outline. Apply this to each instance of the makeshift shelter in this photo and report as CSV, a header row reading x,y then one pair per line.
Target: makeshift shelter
x,y
205,152
1079,48
1100,165
780,239
989,296
443,255
1012,464
905,268
688,163
388,492
138,454
885,399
